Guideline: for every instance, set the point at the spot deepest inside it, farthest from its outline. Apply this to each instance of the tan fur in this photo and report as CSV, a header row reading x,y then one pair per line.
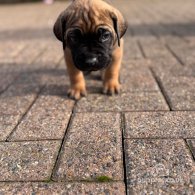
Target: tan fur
x,y
111,74
77,81
88,15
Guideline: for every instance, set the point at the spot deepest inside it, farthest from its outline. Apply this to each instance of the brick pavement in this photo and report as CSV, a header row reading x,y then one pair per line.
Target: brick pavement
x,y
139,142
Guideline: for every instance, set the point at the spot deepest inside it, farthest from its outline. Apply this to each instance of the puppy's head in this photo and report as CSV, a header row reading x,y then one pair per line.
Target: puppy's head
x,y
91,32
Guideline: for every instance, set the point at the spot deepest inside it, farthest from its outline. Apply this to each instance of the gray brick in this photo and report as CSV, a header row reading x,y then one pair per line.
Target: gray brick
x,y
27,161
137,80
142,101
191,143
92,149
159,125
114,188
158,166
155,49
131,49
7,124
47,119
180,91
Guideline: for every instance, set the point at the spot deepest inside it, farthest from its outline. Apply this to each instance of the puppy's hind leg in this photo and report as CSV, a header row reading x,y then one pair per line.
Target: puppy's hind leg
x,y
77,82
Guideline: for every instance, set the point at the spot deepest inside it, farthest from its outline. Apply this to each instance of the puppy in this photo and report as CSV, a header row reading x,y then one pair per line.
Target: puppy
x,y
91,32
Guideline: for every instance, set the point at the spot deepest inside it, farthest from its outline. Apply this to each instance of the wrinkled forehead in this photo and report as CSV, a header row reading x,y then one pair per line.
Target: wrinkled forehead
x,y
90,20
87,30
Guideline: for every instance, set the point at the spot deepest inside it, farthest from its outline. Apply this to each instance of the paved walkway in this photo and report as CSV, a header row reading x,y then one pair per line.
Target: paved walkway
x,y
139,142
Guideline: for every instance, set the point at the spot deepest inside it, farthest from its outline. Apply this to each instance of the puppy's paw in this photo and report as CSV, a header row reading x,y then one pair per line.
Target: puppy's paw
x,y
111,87
77,92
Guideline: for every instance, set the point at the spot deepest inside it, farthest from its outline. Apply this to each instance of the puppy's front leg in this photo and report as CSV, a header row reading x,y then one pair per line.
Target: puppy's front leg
x,y
111,74
77,82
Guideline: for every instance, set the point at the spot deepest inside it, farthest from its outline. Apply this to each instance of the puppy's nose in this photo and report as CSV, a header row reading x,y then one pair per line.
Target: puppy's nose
x,y
91,61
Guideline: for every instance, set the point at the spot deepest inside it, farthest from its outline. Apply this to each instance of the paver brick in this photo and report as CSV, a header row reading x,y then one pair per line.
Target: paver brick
x,y
49,58
173,70
9,51
6,80
17,99
13,104
92,149
159,125
27,161
185,52
191,143
47,119
158,164
29,54
180,91
137,80
131,49
154,49
7,124
114,188
142,101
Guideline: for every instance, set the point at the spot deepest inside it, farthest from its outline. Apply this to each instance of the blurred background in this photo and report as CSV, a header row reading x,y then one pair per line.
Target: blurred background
x,y
19,1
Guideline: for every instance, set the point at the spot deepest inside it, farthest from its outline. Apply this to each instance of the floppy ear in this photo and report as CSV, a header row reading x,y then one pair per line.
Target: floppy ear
x,y
120,25
60,28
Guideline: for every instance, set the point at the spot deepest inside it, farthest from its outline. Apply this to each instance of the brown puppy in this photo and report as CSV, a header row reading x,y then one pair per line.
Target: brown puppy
x,y
91,32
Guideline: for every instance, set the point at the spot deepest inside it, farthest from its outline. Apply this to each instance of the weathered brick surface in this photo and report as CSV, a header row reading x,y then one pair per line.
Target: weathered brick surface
x,y
137,79
144,101
185,52
158,164
131,49
47,119
154,49
13,104
92,148
7,124
172,69
27,161
114,188
180,92
191,143
160,125
10,51
18,98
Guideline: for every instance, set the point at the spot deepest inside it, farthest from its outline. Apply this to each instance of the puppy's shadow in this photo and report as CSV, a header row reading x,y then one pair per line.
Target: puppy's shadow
x,y
51,81
20,81
94,82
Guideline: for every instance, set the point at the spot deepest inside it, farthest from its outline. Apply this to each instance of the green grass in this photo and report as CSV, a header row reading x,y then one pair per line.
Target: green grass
x,y
103,178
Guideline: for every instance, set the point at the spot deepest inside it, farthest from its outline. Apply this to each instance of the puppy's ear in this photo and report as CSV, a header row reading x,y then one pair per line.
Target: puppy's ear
x,y
60,28
120,25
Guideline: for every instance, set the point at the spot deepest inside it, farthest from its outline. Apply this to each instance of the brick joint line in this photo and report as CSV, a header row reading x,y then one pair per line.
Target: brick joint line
x,y
174,55
141,49
57,161
24,114
161,88
22,72
41,88
122,120
189,148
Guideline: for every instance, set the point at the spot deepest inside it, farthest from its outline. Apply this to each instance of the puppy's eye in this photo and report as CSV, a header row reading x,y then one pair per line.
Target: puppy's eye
x,y
74,36
104,35
74,39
